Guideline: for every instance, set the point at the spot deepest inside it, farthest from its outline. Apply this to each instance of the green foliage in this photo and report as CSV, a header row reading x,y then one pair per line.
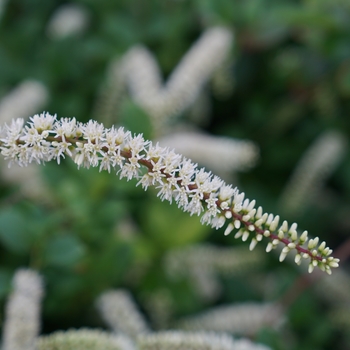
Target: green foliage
x,y
91,232
63,250
158,219
135,119
14,233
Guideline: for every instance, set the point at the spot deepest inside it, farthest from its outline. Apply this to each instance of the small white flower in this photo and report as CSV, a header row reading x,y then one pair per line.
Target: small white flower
x,y
93,131
136,145
155,152
181,197
172,161
186,172
43,121
227,192
195,205
156,174
66,128
13,131
130,169
166,192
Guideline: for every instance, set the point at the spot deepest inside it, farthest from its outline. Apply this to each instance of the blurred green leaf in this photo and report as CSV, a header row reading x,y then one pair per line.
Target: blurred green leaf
x,y
14,232
343,79
171,227
5,281
64,251
135,119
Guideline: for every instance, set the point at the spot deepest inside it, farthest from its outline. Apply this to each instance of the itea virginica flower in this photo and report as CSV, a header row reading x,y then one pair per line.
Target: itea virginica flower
x,y
196,191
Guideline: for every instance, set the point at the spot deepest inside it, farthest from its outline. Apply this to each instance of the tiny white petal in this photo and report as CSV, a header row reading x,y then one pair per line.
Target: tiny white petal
x,y
297,259
267,233
322,246
282,256
259,212
228,215
252,213
269,219
280,235
245,236
333,264
303,237
246,218
237,224
284,226
311,268
253,244
251,205
269,247
239,233
274,223
229,229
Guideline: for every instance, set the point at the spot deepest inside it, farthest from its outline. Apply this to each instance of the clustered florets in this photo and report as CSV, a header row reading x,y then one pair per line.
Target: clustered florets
x,y
194,190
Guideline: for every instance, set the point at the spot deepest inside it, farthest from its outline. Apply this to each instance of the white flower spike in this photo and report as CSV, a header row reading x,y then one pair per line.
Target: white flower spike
x,y
194,190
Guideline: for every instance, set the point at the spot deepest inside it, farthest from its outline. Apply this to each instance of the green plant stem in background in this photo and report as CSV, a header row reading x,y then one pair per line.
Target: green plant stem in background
x,y
194,190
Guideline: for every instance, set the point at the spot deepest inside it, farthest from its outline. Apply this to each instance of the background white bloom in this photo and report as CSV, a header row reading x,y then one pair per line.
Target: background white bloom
x,y
22,324
139,70
68,20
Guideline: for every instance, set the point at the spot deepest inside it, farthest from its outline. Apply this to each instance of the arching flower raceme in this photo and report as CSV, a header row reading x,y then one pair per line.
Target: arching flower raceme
x,y
194,190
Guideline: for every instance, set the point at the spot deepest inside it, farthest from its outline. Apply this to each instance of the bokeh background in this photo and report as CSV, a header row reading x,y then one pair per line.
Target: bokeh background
x,y
282,92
